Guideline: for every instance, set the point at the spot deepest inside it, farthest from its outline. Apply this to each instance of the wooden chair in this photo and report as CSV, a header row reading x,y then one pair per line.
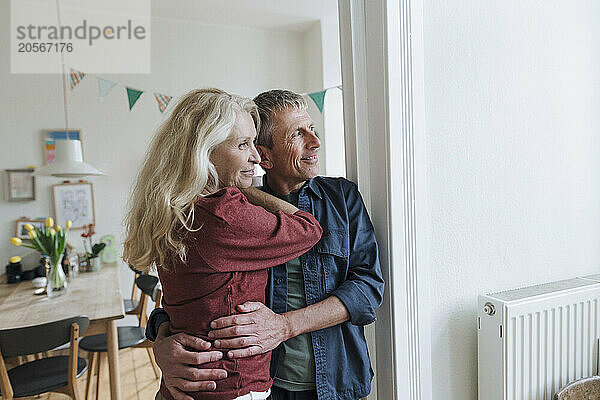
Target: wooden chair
x,y
50,374
129,336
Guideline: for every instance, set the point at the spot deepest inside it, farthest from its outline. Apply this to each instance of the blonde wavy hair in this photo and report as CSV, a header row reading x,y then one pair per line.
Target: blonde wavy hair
x,y
176,171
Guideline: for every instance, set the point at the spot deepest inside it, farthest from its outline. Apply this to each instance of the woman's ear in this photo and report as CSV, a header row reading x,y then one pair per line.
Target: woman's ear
x,y
265,157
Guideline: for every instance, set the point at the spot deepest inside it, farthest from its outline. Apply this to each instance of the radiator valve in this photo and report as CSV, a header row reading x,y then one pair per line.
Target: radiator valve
x,y
489,309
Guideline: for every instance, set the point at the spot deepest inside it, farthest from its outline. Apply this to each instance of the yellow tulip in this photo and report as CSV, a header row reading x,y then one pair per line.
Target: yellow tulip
x,y
52,231
29,227
68,224
16,241
32,235
49,222
58,228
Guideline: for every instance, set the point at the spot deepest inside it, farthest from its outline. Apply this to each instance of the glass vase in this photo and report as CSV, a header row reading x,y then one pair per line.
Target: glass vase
x,y
57,280
94,264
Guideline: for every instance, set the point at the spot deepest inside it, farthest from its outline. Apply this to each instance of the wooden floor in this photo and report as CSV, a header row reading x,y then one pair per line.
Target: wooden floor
x,y
137,378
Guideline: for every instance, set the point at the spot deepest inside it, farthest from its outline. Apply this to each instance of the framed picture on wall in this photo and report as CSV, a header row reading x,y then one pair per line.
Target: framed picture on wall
x,y
20,230
75,202
50,138
19,184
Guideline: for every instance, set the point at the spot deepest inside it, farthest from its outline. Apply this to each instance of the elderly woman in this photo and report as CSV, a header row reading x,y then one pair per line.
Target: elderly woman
x,y
195,218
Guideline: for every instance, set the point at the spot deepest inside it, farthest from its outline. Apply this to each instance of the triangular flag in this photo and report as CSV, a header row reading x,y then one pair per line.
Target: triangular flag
x,y
133,96
104,87
163,101
76,77
318,98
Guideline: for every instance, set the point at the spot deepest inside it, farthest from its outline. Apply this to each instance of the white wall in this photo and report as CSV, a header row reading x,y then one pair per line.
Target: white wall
x,y
313,78
323,70
185,55
333,112
313,62
512,95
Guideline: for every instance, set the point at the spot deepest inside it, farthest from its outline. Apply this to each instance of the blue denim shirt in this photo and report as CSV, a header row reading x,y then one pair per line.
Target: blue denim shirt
x,y
345,264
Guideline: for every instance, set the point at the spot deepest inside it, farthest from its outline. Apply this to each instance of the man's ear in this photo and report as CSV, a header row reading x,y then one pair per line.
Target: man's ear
x,y
265,157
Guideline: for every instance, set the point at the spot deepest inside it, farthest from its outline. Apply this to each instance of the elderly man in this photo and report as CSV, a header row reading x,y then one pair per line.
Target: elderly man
x,y
317,303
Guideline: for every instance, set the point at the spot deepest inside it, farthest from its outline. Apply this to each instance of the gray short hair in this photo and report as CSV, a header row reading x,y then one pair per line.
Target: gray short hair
x,y
269,103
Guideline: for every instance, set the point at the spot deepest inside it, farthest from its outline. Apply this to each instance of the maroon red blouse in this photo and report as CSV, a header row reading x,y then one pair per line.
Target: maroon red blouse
x,y
226,266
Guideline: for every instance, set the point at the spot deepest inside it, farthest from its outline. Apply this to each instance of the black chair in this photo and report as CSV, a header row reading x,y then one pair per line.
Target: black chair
x,y
132,305
129,336
50,374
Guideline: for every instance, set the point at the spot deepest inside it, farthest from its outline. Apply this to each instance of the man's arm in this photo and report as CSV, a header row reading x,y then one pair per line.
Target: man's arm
x,y
260,330
321,315
256,331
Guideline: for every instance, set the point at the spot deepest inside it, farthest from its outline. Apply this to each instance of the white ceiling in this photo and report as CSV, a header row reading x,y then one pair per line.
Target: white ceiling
x,y
290,15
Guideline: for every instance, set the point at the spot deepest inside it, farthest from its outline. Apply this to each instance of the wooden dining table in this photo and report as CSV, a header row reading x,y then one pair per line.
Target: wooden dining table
x,y
94,294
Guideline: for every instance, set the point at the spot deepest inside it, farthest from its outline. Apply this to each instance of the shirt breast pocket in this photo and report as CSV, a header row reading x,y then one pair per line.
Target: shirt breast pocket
x,y
333,256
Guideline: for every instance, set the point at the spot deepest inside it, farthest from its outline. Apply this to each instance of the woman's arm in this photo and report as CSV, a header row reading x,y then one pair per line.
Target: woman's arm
x,y
267,201
247,237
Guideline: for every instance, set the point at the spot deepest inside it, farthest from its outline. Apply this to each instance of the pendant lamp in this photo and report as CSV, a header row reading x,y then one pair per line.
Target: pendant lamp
x,y
68,158
68,162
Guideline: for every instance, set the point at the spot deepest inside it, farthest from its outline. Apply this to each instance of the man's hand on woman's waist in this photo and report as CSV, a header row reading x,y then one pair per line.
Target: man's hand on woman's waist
x,y
179,356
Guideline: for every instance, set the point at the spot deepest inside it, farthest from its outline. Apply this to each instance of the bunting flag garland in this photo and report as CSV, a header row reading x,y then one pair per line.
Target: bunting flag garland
x,y
133,96
76,77
318,98
104,87
163,101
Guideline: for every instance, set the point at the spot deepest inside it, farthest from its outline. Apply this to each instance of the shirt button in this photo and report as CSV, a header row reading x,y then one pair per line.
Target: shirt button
x,y
279,281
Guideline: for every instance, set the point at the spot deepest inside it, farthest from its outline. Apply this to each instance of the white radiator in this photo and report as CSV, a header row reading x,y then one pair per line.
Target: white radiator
x,y
534,340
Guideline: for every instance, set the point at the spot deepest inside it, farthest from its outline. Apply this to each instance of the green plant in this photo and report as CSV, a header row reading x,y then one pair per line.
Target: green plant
x,y
92,250
96,249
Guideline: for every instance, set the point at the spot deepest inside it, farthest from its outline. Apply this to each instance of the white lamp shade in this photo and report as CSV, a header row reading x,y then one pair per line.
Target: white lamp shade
x,y
68,162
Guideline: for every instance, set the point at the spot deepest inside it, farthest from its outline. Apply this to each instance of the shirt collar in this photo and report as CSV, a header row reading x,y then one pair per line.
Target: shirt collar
x,y
311,185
